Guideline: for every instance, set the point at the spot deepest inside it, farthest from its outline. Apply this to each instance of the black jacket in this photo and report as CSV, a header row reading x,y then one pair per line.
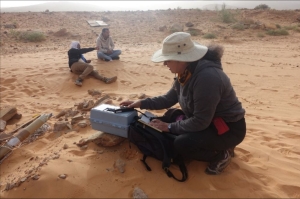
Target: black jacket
x,y
75,54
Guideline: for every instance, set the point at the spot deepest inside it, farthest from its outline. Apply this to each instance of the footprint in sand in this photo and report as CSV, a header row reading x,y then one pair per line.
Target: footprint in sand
x,y
291,190
140,86
245,155
264,89
127,83
159,83
9,80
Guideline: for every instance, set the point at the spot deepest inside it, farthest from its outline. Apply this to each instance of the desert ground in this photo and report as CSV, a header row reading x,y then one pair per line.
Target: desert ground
x,y
35,78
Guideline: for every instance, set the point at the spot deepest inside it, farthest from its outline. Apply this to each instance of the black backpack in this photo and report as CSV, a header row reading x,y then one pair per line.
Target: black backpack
x,y
158,145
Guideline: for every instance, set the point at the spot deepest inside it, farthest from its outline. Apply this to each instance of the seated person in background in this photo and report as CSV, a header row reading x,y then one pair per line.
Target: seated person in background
x,y
79,65
106,47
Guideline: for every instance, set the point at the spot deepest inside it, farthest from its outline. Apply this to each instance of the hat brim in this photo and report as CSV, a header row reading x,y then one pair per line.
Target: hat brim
x,y
196,53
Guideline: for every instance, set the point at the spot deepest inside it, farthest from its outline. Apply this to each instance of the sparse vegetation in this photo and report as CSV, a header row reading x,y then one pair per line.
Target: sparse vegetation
x,y
194,31
278,32
278,26
225,15
238,26
260,34
209,36
262,7
31,36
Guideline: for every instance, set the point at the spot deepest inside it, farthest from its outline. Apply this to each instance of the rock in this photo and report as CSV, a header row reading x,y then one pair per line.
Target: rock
x,y
101,100
176,28
56,156
35,177
106,139
76,119
87,106
17,116
59,126
89,139
132,96
194,31
62,113
65,146
82,123
120,165
162,28
189,24
141,96
2,125
120,99
62,32
62,176
94,92
7,113
139,193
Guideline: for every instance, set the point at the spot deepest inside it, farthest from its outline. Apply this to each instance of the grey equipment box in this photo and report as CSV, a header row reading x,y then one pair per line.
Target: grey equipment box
x,y
110,122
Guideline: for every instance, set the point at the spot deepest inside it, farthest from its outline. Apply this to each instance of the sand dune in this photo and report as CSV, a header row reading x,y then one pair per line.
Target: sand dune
x,y
36,79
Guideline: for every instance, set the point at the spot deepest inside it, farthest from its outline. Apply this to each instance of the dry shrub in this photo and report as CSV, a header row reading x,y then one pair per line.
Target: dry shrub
x,y
262,7
209,36
238,26
194,31
260,35
32,36
278,32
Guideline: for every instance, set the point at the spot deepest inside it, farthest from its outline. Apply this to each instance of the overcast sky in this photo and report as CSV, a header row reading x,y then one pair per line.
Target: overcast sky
x,y
148,5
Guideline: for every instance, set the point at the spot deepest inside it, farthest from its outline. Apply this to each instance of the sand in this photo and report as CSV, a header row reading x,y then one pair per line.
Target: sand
x,y
35,78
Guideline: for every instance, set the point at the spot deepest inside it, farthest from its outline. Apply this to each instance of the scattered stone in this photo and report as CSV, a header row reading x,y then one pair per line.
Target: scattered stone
x,y
89,139
120,99
133,96
56,156
139,193
101,100
2,125
59,126
162,28
100,152
65,146
120,165
62,176
76,119
141,96
62,32
108,140
176,28
35,177
94,92
82,124
70,160
7,113
23,179
17,116
189,24
62,113
87,106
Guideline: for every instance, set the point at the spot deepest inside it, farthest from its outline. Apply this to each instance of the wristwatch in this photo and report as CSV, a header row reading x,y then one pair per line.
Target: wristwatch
x,y
169,127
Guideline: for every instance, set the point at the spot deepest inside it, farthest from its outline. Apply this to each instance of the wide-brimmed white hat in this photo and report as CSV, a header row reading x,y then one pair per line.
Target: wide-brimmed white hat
x,y
179,47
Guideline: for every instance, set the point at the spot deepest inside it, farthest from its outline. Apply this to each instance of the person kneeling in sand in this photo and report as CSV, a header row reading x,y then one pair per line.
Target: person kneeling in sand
x,y
106,47
213,122
79,65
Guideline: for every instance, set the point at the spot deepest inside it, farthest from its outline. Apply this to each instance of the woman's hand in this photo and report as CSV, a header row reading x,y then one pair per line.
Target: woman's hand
x,y
159,125
131,104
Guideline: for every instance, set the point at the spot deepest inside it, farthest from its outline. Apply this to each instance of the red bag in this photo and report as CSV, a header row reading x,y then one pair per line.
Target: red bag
x,y
220,125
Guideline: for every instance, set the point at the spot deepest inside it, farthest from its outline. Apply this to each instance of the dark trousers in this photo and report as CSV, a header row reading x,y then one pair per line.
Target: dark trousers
x,y
206,145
